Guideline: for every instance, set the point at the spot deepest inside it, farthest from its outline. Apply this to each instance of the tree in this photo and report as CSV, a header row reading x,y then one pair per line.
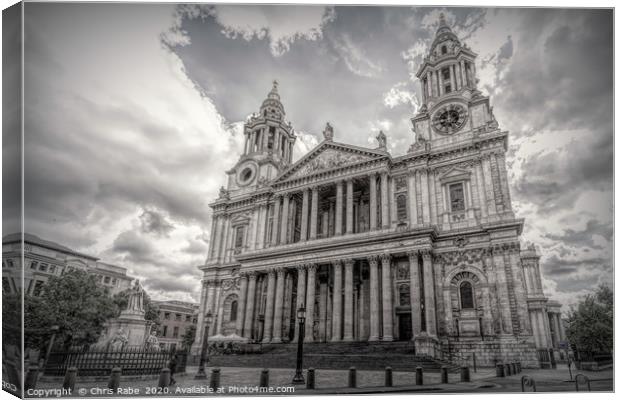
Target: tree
x,y
75,303
189,336
151,310
590,323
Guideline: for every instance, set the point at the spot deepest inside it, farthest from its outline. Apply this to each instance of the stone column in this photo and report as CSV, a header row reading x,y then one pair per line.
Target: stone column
x,y
338,227
374,298
314,212
260,240
337,303
279,307
385,215
413,211
249,307
556,329
373,201
561,326
201,314
214,223
284,220
481,190
211,306
348,300
429,293
349,221
429,84
276,221
216,237
452,78
301,294
310,294
440,82
243,287
464,74
271,288
386,286
322,311
304,215
414,290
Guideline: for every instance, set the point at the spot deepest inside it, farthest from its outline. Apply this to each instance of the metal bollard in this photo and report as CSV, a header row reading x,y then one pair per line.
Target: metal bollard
x,y
70,377
519,366
444,374
507,369
31,377
464,374
388,376
115,379
164,378
264,378
310,383
499,371
419,379
514,368
352,377
214,382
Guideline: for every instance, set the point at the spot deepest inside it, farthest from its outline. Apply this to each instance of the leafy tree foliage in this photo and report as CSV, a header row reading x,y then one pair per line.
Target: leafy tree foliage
x,y
189,336
590,323
75,303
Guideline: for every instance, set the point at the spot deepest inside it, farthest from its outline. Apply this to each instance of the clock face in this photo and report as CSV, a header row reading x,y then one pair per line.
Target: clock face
x,y
246,174
449,119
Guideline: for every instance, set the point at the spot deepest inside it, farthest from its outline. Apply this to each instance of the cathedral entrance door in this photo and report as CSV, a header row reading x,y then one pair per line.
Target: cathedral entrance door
x,y
404,327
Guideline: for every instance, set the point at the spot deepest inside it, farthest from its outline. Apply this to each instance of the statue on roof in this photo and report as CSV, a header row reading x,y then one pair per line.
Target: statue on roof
x,y
328,132
382,139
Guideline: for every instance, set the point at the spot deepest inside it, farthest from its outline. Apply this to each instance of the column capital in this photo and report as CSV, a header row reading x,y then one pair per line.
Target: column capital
x,y
252,275
311,268
337,263
372,174
280,271
385,257
348,262
413,253
301,268
373,259
243,275
271,272
426,254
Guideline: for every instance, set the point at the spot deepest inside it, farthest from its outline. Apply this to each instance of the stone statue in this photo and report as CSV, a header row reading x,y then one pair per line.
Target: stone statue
x,y
223,193
136,298
328,133
119,339
152,343
382,139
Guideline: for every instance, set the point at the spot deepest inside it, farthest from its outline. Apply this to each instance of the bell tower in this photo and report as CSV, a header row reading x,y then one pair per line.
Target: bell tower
x,y
452,104
268,145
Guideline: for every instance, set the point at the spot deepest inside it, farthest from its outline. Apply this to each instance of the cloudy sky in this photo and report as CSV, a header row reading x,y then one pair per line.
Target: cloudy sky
x,y
134,112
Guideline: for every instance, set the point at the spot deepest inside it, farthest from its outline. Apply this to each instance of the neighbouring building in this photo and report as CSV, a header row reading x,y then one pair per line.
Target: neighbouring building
x,y
175,318
44,259
423,247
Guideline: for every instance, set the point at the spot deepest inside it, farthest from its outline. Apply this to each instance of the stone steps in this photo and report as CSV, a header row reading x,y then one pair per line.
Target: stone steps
x,y
361,355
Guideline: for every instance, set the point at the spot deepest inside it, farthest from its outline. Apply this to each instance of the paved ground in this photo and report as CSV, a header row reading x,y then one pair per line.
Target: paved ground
x,y
245,381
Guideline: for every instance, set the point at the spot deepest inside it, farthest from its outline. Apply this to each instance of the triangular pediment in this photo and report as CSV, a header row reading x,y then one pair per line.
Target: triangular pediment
x,y
454,173
330,155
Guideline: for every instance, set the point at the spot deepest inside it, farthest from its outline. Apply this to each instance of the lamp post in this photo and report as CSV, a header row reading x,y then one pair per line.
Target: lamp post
x,y
301,318
203,353
54,329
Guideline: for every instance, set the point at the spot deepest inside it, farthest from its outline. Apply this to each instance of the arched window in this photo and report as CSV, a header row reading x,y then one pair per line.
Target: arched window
x,y
401,207
467,295
444,49
233,311
404,295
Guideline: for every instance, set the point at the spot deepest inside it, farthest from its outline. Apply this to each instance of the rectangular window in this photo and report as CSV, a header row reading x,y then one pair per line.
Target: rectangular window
x,y
52,269
240,232
38,286
106,280
188,318
457,197
167,315
164,331
178,317
445,74
43,267
448,88
175,332
33,265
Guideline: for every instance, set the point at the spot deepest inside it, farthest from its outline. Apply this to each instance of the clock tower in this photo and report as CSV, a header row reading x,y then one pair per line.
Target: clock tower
x,y
453,108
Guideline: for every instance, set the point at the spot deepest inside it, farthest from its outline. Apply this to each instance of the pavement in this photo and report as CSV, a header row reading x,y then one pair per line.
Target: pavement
x,y
240,381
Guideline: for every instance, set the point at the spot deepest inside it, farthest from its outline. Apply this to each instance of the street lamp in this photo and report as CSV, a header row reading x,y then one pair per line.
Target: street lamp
x,y
54,329
301,318
203,353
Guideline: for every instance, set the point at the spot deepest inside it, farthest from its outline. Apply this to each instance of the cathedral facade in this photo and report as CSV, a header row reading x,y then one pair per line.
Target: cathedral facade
x,y
423,247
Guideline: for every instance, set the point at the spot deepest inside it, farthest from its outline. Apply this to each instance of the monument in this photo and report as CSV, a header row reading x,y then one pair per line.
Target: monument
x,y
130,327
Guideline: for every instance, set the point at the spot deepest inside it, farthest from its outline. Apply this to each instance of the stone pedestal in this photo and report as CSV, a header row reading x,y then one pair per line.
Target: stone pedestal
x,y
427,345
130,327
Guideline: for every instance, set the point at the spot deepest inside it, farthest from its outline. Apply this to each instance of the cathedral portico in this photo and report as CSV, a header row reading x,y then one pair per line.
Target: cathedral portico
x,y
422,247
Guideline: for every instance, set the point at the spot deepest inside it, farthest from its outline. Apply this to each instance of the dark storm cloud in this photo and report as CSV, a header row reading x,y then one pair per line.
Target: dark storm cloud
x,y
584,237
155,222
555,266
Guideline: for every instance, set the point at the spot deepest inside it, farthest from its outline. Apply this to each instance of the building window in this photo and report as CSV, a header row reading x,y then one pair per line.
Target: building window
x,y
233,311
457,197
188,318
239,234
43,267
401,207
467,295
106,280
445,74
114,281
52,269
6,286
271,137
38,286
444,49
164,332
175,332
167,315
177,317
33,265
448,88
404,295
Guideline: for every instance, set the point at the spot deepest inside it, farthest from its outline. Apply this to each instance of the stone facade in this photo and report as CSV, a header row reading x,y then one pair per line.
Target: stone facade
x,y
422,247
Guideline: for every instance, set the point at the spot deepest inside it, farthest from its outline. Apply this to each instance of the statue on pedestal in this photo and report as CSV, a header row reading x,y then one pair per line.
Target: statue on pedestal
x,y
135,302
